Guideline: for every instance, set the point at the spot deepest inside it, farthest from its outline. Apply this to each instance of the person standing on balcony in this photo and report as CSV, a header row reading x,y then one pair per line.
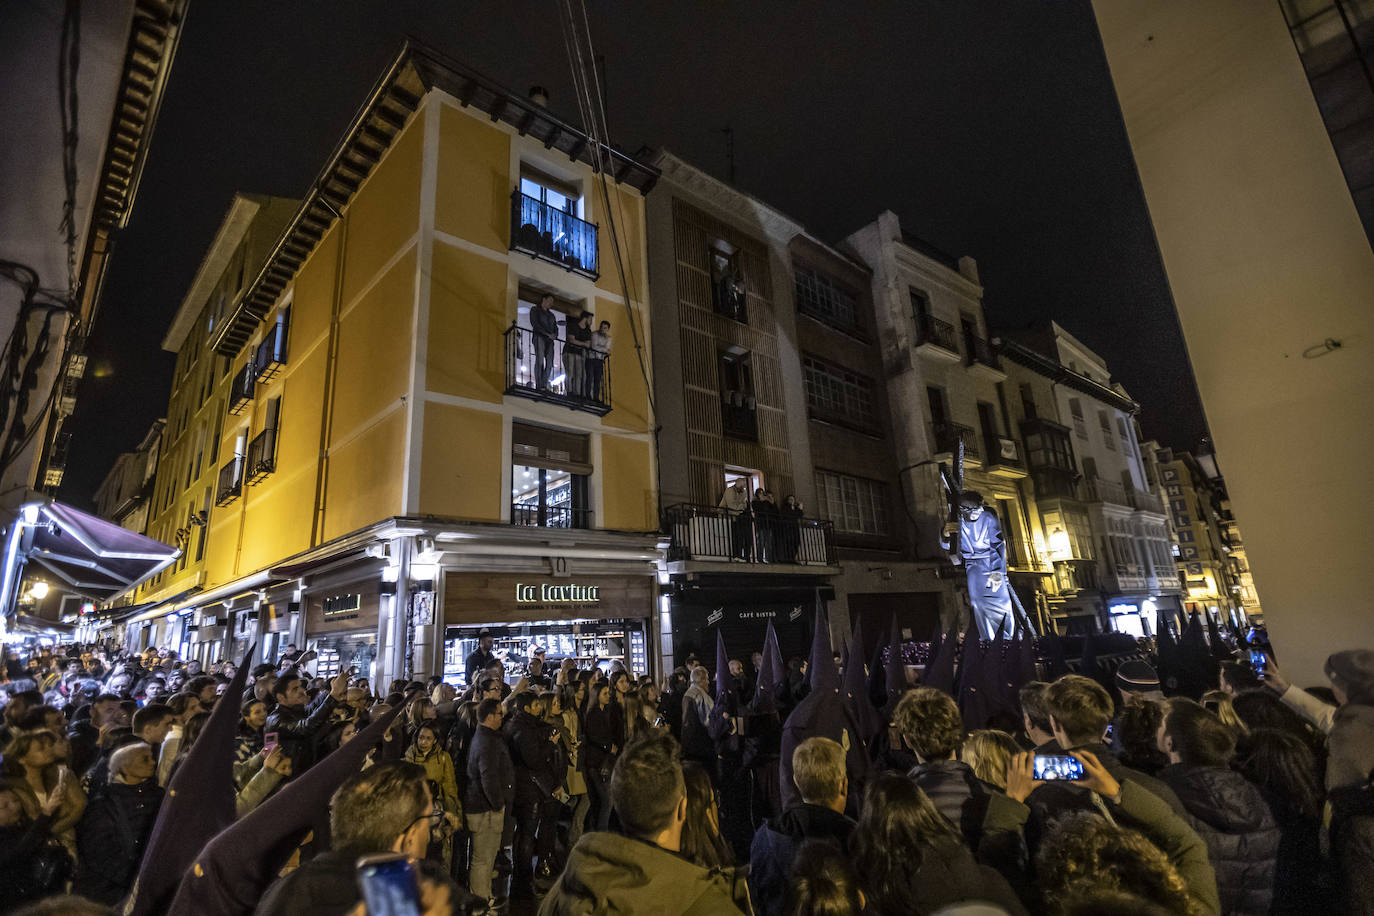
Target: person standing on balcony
x,y
596,361
735,502
765,524
544,324
789,529
575,351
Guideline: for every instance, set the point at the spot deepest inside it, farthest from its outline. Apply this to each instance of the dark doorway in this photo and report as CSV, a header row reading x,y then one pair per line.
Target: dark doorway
x,y
918,613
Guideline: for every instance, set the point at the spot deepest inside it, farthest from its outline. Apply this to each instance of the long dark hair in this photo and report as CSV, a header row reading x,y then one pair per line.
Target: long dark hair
x,y
701,839
1282,765
899,823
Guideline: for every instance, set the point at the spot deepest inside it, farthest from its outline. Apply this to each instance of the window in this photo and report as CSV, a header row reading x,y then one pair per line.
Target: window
x,y
835,394
560,195
935,397
1080,426
1105,422
729,294
1090,468
1127,443
856,505
549,472
738,407
1028,402
820,297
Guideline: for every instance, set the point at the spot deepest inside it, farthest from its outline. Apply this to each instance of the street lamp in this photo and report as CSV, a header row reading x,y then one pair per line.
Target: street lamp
x,y
38,590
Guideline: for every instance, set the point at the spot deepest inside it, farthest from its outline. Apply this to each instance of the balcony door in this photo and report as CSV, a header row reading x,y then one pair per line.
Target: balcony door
x,y
548,497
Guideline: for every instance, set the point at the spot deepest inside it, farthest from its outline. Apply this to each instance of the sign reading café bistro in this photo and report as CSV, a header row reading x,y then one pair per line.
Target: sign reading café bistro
x,y
475,597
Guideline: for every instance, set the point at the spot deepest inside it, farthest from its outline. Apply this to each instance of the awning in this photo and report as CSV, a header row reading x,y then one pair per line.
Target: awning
x,y
26,623
88,556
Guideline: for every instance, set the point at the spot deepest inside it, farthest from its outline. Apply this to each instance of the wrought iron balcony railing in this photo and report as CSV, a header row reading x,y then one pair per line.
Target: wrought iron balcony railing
x,y
550,234
1003,453
230,481
1146,501
262,456
533,515
980,352
716,533
1096,490
947,437
241,390
270,355
545,369
931,330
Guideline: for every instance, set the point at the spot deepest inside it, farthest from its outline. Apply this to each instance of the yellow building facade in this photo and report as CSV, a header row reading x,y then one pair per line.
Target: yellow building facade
x,y
367,436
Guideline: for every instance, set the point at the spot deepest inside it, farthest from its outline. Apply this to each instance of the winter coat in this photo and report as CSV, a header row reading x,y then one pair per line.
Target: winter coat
x,y
539,761
948,874
327,885
438,766
777,841
1351,744
610,873
111,838
299,729
21,847
491,774
959,795
1242,838
1120,772
602,730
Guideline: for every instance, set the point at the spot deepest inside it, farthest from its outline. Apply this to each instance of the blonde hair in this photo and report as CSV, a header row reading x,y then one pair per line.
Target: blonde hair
x,y
1220,702
818,769
989,751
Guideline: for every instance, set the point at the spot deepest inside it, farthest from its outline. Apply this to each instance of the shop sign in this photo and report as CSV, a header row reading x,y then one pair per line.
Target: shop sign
x,y
342,607
544,593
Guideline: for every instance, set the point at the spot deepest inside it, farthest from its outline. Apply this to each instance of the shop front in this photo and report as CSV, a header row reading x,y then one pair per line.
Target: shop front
x,y
740,612
341,628
593,619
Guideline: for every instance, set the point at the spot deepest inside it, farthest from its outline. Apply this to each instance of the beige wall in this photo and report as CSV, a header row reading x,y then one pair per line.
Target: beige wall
x,y
1266,258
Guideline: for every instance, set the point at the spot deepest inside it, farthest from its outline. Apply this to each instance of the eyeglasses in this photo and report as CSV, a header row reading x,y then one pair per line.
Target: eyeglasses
x,y
435,815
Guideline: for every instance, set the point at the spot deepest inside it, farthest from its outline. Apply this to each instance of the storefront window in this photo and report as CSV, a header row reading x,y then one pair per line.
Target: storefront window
x,y
339,651
602,642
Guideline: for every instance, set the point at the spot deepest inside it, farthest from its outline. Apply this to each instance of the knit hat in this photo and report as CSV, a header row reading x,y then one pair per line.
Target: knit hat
x,y
1136,676
1353,670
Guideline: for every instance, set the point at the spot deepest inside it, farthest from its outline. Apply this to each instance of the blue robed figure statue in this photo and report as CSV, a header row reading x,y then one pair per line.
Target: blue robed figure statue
x,y
983,553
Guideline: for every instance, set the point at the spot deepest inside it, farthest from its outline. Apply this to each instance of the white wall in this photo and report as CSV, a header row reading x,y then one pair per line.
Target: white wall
x,y
1266,257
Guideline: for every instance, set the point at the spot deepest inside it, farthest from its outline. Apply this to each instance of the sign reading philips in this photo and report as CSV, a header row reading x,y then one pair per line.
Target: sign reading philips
x,y
556,594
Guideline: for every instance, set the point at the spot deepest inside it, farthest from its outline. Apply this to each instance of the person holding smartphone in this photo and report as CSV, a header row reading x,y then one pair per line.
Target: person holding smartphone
x,y
299,728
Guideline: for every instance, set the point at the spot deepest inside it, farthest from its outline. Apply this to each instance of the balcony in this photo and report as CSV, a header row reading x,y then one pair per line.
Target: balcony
x,y
270,356
536,368
262,456
1145,501
1096,490
1075,575
739,416
550,234
241,390
230,481
936,339
715,533
947,436
534,515
982,358
1004,458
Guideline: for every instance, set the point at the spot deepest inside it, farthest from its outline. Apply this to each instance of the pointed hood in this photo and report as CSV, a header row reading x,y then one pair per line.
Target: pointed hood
x,y
771,674
727,699
1087,663
995,680
725,684
877,673
820,667
972,704
230,875
894,671
1196,670
1218,645
856,689
199,803
940,671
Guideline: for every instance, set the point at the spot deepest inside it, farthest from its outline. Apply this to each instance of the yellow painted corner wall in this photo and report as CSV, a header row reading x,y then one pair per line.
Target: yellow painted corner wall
x,y
385,212
629,393
465,353
312,299
461,463
365,477
628,210
374,350
627,474
472,195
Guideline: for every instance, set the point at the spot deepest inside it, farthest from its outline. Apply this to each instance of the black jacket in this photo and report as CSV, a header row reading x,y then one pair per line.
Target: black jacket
x,y
21,847
544,322
299,729
539,763
327,885
477,663
948,874
111,837
1241,835
775,844
491,774
1119,771
959,795
602,729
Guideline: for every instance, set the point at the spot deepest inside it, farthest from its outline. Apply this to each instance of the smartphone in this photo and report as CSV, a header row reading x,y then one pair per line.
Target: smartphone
x,y
269,741
1107,735
390,884
1258,661
1057,766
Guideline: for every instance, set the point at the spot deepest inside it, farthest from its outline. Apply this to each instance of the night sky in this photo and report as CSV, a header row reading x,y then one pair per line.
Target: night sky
x,y
990,128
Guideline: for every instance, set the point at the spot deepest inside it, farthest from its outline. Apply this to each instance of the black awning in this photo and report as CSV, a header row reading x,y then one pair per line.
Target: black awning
x,y
88,555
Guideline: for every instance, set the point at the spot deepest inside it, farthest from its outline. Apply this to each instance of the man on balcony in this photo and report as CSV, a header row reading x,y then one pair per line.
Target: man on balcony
x,y
544,324
983,553
735,502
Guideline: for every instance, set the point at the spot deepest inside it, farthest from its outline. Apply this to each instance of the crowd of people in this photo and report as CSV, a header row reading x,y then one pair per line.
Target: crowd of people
x,y
141,782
